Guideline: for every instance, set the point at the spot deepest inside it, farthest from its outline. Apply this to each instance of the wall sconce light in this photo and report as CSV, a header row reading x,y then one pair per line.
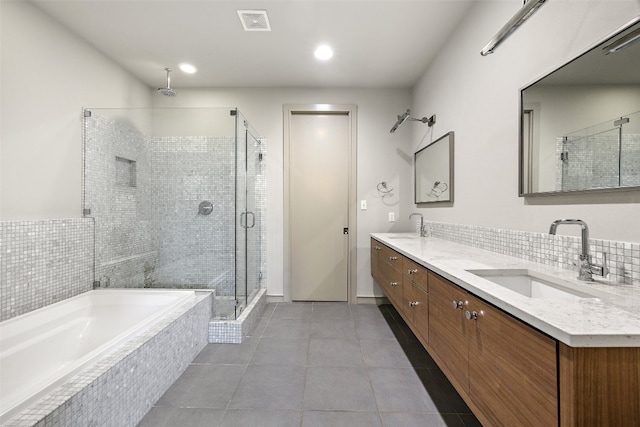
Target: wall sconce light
x,y
518,19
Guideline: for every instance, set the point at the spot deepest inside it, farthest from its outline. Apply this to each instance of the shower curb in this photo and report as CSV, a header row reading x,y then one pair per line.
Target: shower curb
x,y
234,331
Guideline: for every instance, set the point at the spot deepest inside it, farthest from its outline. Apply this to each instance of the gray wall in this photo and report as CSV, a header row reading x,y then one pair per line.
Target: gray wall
x,y
47,75
478,98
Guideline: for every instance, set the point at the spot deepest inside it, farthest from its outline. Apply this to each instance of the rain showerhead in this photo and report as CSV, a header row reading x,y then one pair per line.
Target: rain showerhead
x,y
407,116
167,91
401,119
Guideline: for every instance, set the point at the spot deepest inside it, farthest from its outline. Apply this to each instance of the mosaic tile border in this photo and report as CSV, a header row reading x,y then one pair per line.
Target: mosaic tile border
x,y
121,388
43,262
555,250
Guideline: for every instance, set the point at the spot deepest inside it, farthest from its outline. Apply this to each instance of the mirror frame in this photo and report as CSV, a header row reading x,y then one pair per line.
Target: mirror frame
x,y
449,137
524,168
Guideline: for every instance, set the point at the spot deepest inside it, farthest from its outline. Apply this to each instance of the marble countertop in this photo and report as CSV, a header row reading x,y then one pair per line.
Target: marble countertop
x,y
611,319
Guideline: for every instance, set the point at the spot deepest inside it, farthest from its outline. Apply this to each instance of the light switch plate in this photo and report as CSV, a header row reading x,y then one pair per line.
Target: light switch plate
x,y
363,205
392,217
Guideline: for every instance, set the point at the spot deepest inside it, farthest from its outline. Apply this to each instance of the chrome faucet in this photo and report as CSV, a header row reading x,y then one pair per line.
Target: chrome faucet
x,y
587,267
423,230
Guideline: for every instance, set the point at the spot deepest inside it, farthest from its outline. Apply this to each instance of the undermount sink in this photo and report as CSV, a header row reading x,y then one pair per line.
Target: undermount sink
x,y
533,284
402,236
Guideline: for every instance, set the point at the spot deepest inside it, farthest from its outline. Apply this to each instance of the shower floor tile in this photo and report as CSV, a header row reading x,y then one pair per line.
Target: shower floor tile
x,y
315,364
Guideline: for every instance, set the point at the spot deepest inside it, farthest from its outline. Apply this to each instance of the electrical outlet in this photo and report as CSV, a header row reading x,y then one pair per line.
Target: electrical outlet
x,y
363,205
392,217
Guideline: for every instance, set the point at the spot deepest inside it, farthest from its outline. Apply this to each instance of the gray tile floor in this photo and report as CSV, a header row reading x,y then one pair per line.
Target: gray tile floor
x,y
315,364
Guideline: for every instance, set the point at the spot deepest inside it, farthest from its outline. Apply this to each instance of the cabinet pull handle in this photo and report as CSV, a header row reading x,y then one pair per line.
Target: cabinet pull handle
x,y
413,271
377,248
393,258
473,315
394,283
458,304
413,303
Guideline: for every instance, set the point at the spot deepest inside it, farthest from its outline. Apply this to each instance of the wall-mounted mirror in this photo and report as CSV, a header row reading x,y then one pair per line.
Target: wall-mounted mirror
x,y
433,168
580,124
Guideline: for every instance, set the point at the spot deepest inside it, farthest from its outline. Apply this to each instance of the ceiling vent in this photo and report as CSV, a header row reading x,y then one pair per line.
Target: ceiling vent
x,y
254,20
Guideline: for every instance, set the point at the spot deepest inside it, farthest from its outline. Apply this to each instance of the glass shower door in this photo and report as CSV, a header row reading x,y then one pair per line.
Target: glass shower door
x,y
248,262
254,217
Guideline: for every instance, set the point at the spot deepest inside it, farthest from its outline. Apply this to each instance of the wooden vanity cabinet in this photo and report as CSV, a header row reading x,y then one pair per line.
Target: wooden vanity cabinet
x,y
405,284
509,373
599,386
376,249
391,282
504,368
386,269
512,369
415,298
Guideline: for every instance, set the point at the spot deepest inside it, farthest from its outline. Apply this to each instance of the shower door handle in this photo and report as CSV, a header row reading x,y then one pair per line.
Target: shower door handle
x,y
244,224
253,220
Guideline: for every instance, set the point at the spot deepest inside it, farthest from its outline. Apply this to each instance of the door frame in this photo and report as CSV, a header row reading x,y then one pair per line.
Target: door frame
x,y
351,111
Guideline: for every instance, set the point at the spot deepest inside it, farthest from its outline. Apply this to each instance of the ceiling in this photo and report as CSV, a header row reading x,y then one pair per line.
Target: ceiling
x,y
377,43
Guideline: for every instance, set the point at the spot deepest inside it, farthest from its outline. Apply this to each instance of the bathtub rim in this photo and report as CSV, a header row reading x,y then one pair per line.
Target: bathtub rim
x,y
57,396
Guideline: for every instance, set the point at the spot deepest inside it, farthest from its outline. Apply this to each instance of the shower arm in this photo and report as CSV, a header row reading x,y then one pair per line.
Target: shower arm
x,y
430,121
407,117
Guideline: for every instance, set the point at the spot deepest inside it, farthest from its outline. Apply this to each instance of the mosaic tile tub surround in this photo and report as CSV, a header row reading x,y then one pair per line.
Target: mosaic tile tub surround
x,y
43,262
121,388
555,250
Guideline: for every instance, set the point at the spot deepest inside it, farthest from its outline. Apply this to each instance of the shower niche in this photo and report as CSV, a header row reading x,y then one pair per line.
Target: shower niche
x,y
147,173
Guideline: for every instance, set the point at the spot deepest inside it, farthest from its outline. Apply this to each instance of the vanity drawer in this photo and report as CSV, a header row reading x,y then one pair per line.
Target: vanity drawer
x,y
391,257
416,273
391,282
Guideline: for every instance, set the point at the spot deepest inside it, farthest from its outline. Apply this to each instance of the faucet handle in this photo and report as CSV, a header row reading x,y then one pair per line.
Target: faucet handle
x,y
605,265
600,270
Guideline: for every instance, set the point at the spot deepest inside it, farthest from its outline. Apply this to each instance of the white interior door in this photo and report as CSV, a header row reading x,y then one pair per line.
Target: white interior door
x,y
319,206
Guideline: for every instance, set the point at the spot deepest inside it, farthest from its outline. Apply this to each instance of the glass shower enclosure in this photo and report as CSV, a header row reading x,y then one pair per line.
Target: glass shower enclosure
x,y
606,155
178,200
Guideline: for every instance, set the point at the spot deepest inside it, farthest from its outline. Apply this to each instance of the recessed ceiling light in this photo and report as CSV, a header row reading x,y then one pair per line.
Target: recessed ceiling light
x,y
188,68
323,52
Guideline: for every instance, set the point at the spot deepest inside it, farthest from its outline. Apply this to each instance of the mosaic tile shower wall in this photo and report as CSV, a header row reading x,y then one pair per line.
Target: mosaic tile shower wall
x,y
117,174
43,262
601,160
145,191
555,250
194,250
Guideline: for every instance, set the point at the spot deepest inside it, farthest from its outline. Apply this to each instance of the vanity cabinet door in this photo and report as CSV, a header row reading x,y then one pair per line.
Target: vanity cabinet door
x,y
415,272
376,249
420,310
447,330
386,265
512,369
599,386
408,298
391,257
415,305
391,282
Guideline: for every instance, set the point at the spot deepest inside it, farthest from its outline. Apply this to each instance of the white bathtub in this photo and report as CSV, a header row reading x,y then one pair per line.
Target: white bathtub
x,y
42,349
